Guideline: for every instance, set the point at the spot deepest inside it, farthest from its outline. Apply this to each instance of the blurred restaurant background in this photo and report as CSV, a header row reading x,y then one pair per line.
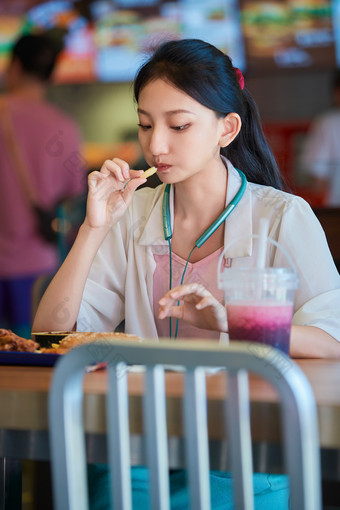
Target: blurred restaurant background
x,y
288,51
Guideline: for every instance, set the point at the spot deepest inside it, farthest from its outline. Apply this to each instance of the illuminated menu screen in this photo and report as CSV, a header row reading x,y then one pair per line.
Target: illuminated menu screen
x,y
289,34
111,39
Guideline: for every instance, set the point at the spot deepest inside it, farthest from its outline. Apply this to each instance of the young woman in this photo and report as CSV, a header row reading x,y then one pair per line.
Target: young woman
x,y
197,125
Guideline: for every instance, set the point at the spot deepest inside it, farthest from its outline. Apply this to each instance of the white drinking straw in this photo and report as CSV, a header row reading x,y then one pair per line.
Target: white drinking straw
x,y
262,247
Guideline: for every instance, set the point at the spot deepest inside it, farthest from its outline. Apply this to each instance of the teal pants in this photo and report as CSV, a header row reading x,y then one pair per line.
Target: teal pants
x,y
270,491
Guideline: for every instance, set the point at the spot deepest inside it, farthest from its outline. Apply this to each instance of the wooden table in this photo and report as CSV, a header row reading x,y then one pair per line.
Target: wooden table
x,y
24,422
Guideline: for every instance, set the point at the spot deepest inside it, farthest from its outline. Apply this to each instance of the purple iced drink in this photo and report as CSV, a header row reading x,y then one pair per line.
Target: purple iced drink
x,y
268,323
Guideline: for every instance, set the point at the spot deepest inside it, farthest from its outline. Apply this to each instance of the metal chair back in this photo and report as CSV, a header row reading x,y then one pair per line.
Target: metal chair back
x,y
68,453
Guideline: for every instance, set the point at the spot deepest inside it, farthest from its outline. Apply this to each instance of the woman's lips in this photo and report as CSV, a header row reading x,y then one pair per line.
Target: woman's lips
x,y
162,167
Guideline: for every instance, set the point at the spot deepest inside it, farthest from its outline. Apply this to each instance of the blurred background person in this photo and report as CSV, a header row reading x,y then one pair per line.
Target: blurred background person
x,y
320,157
48,143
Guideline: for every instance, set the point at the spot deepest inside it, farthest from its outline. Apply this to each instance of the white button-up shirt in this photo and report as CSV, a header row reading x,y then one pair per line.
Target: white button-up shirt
x,y
120,282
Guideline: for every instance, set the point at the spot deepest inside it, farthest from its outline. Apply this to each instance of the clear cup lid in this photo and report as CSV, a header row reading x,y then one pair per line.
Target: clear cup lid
x,y
270,276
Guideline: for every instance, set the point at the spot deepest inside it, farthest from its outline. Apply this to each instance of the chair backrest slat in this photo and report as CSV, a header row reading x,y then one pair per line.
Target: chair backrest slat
x,y
238,421
300,432
196,434
119,438
156,437
67,443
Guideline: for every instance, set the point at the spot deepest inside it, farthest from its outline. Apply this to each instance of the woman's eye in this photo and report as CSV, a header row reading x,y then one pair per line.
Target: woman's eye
x,y
180,128
145,127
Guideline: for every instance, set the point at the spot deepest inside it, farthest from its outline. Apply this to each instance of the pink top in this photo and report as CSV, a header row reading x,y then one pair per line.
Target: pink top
x,y
204,272
50,144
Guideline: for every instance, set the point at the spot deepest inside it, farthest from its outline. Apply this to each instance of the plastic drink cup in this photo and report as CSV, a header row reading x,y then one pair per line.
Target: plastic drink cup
x,y
259,304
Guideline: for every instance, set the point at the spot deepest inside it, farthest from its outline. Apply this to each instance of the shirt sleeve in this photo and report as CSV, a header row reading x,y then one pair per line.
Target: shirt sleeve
x,y
103,302
317,300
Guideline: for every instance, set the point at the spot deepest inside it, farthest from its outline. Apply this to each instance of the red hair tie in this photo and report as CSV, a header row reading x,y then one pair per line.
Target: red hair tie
x,y
240,77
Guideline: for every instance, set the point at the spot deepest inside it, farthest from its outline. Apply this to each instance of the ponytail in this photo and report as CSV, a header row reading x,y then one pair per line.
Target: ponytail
x,y
250,151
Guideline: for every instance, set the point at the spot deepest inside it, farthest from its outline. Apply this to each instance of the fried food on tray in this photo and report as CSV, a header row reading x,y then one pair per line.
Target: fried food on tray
x,y
85,337
53,350
9,341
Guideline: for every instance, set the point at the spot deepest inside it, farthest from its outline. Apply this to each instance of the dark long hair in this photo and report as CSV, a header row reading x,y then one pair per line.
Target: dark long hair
x,y
207,75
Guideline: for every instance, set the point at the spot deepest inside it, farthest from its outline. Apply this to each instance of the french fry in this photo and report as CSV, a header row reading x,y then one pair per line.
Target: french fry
x,y
149,172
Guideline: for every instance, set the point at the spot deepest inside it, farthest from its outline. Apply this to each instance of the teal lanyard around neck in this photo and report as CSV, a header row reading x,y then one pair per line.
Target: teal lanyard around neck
x,y
170,286
203,238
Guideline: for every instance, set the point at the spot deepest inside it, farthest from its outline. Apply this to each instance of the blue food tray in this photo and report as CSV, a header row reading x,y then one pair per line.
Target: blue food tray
x,y
28,359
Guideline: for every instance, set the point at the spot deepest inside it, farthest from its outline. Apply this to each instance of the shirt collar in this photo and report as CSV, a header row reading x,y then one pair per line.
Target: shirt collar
x,y
153,233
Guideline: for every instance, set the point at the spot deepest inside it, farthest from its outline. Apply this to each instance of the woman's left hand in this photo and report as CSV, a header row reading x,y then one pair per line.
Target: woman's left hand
x,y
197,307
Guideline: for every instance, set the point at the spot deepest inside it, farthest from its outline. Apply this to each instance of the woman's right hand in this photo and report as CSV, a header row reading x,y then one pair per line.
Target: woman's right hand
x,y
109,193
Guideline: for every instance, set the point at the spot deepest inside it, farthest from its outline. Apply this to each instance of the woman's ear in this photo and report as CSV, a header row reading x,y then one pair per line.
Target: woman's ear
x,y
231,127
